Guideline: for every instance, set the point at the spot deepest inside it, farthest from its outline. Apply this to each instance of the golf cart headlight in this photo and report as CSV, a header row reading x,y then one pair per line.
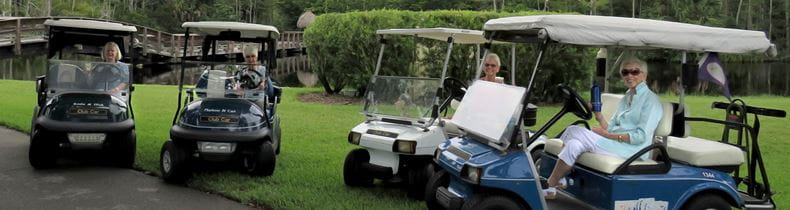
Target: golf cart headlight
x,y
471,174
353,137
404,146
215,147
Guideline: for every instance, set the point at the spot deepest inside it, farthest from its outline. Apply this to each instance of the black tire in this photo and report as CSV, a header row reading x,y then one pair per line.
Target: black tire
x,y
126,150
173,163
42,153
536,157
707,201
279,140
353,174
491,202
263,162
417,180
439,179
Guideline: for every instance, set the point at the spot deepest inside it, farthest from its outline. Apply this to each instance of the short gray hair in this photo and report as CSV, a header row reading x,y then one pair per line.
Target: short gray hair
x,y
634,60
250,49
493,56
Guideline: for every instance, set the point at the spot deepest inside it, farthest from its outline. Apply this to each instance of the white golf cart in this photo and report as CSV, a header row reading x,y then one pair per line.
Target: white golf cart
x,y
403,124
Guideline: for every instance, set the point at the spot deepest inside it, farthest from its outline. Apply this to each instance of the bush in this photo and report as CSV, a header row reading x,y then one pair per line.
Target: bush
x,y
343,49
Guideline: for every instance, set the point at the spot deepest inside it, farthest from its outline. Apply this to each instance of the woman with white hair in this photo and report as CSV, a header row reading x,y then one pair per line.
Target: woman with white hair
x,y
111,53
491,68
253,75
629,130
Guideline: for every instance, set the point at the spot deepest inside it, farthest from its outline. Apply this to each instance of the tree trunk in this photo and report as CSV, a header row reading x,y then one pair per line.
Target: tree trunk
x,y
749,15
787,24
770,20
738,13
592,7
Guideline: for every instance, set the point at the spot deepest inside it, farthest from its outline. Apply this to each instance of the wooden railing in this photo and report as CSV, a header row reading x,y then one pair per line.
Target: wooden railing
x,y
17,32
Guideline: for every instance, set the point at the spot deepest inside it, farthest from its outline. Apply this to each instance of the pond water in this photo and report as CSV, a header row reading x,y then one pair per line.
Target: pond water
x,y
744,78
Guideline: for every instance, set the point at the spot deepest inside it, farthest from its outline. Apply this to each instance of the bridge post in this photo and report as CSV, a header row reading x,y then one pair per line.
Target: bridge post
x,y
174,51
18,38
145,40
159,42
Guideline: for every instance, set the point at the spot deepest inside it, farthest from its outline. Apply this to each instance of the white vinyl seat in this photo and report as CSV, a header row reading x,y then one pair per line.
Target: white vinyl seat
x,y
605,163
704,153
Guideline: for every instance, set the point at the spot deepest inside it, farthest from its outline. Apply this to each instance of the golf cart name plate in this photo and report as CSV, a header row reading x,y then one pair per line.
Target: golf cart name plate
x,y
230,111
78,110
219,119
87,104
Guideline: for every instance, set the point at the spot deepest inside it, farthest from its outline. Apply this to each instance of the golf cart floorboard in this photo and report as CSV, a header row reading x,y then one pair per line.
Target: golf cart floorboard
x,y
566,202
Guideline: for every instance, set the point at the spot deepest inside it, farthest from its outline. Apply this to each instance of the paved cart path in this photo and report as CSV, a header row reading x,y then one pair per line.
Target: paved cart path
x,y
88,187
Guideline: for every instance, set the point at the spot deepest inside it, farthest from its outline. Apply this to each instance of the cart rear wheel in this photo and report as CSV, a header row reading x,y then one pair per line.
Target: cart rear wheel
x,y
42,151
353,173
173,163
706,202
263,162
439,179
491,202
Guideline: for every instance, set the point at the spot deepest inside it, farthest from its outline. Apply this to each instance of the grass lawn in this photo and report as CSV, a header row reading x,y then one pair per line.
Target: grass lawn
x,y
309,169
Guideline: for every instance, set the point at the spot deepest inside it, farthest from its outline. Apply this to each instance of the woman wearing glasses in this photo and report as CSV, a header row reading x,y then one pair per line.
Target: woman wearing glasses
x,y
491,68
629,130
252,75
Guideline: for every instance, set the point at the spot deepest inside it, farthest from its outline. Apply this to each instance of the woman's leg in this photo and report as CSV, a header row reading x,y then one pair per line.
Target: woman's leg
x,y
577,140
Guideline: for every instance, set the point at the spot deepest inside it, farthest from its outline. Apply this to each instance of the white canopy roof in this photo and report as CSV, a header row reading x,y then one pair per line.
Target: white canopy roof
x,y
248,30
460,36
635,32
90,24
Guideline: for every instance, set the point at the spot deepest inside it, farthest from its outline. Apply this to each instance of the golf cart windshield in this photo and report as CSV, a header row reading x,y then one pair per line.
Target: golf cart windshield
x,y
68,75
230,81
405,98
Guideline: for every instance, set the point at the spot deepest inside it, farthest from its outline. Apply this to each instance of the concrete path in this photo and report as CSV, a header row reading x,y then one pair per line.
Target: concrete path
x,y
89,187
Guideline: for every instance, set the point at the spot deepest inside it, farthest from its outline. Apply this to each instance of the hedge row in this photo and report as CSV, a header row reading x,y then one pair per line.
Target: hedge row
x,y
343,48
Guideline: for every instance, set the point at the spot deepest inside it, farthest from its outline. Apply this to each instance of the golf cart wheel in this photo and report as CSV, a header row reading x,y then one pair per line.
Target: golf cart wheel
x,y
126,150
263,162
353,174
417,179
42,152
491,202
439,179
707,201
173,163
279,140
536,157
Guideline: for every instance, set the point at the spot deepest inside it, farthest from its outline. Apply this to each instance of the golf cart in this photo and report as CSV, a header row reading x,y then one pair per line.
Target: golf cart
x,y
230,114
403,124
680,172
82,103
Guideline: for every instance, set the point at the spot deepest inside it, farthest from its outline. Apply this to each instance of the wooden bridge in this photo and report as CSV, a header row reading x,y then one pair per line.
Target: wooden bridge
x,y
25,36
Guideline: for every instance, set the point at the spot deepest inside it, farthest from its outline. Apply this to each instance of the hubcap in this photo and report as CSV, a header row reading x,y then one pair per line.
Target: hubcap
x,y
166,161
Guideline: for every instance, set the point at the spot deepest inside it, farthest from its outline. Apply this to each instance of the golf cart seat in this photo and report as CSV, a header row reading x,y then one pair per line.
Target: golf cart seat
x,y
69,76
705,153
605,163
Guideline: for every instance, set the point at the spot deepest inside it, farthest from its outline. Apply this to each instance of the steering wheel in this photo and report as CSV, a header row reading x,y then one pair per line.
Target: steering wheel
x,y
105,72
574,103
455,87
249,81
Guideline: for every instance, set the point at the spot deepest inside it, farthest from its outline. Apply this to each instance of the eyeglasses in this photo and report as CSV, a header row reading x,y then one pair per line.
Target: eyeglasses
x,y
490,65
633,72
250,56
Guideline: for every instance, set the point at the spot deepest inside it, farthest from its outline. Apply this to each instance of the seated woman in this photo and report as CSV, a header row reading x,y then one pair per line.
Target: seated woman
x,y
252,75
491,68
113,77
629,130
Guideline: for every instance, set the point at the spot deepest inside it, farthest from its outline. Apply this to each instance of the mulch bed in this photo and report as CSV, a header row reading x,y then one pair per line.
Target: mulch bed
x,y
323,98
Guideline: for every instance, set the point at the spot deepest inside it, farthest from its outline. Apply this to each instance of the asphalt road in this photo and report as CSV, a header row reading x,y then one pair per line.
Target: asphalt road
x,y
89,186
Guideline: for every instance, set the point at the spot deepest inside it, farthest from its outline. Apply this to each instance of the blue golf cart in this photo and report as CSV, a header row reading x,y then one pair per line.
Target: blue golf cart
x,y
490,167
229,114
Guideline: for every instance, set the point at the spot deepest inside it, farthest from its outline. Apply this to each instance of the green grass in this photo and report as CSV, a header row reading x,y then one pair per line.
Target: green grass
x,y
309,169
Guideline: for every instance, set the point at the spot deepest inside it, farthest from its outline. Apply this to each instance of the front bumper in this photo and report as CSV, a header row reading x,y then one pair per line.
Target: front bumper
x,y
449,200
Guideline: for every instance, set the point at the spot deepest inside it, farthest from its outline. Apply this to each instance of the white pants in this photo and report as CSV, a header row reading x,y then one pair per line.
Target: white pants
x,y
578,140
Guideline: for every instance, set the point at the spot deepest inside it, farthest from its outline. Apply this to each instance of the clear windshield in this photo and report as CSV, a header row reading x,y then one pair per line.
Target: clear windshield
x,y
69,75
230,81
402,97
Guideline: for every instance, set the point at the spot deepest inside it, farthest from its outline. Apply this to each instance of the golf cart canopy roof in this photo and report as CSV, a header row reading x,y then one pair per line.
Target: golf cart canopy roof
x,y
247,30
630,32
460,36
90,24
